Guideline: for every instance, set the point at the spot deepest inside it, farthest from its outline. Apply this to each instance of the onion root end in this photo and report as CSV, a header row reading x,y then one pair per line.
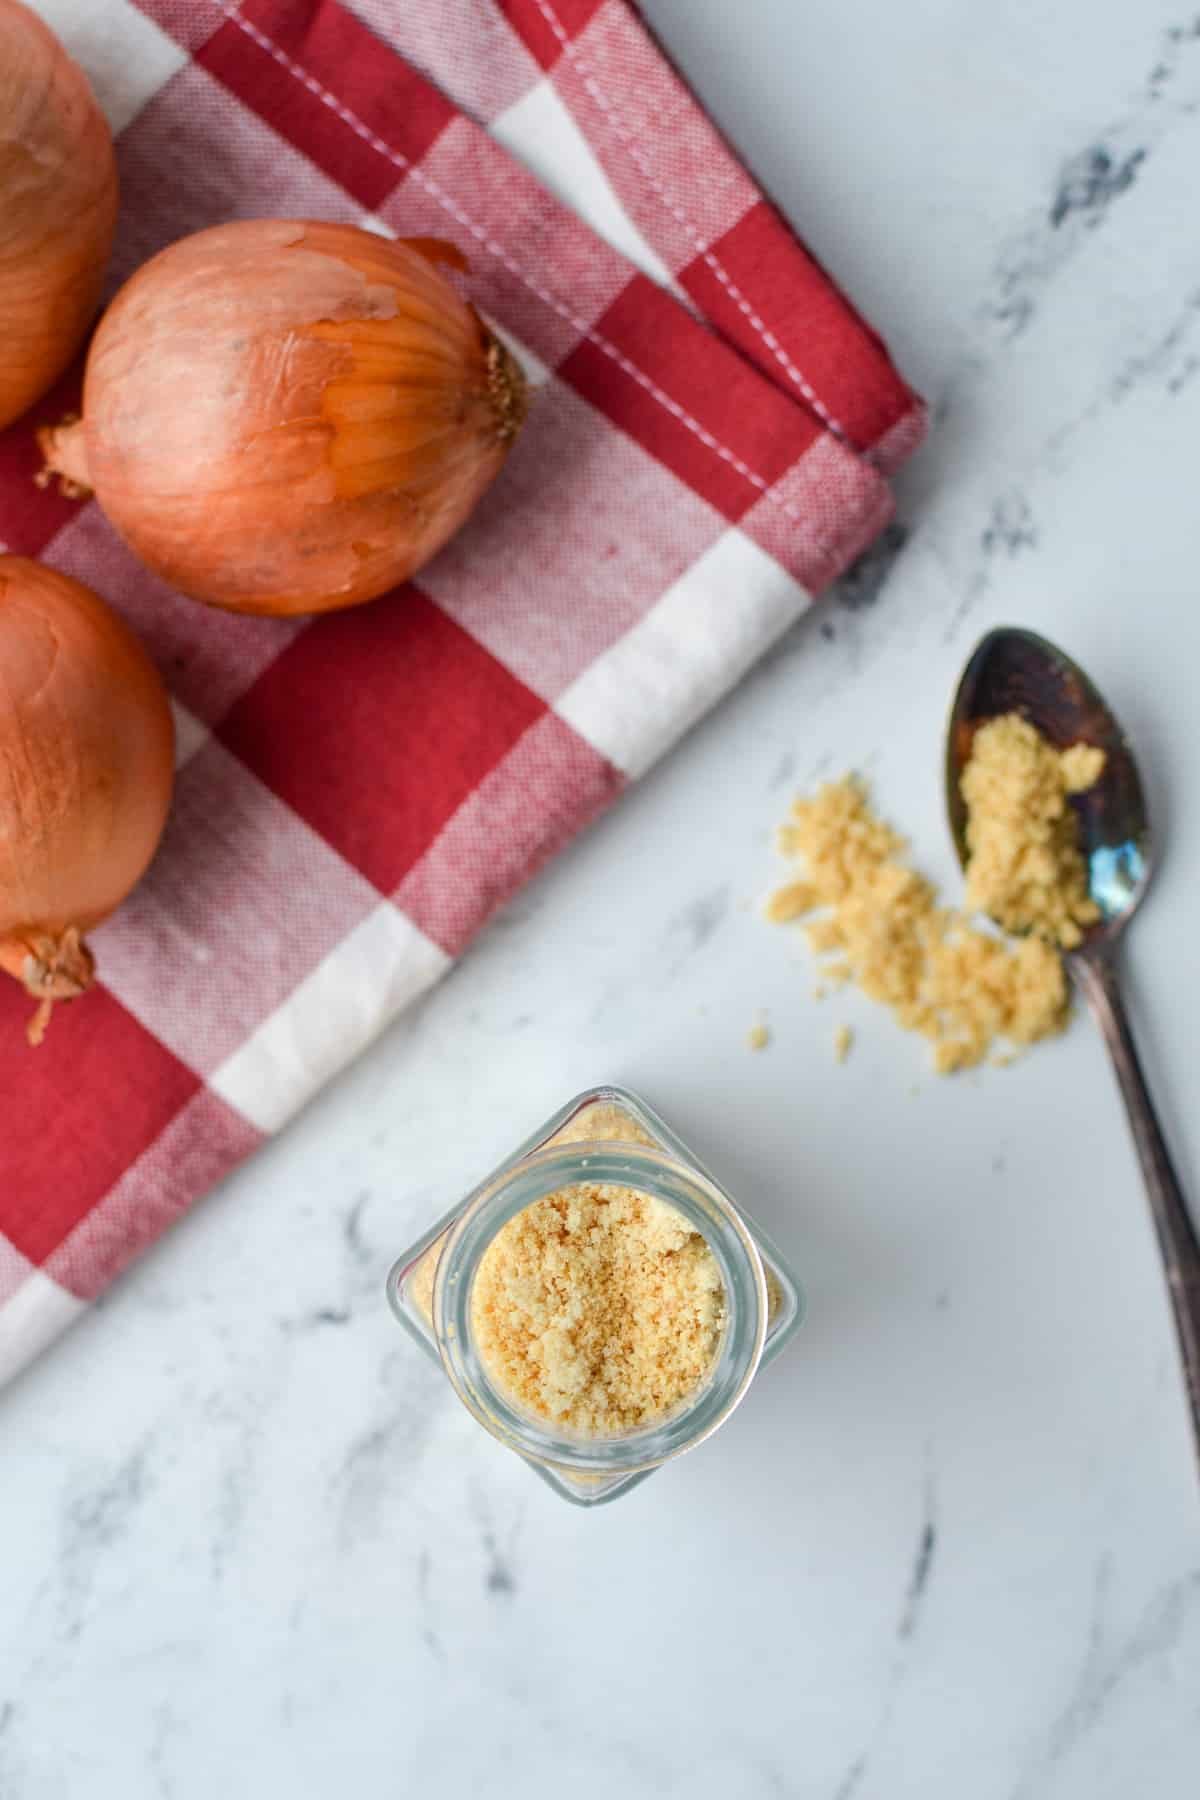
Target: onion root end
x,y
64,449
51,970
507,389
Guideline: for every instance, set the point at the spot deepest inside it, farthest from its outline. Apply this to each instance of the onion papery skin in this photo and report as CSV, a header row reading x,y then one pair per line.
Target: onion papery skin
x,y
58,208
86,772
287,417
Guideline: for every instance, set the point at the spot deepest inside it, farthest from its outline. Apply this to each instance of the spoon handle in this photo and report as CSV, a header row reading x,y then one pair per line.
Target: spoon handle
x,y
1097,979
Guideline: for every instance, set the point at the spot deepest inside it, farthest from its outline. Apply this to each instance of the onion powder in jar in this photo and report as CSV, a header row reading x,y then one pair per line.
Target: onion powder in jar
x,y
600,1303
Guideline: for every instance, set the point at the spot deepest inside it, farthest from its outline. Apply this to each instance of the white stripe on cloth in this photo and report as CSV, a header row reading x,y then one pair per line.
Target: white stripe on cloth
x,y
190,733
379,968
640,696
127,56
32,1318
540,131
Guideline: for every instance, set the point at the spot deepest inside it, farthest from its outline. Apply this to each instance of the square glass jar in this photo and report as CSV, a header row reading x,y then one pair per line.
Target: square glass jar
x,y
604,1135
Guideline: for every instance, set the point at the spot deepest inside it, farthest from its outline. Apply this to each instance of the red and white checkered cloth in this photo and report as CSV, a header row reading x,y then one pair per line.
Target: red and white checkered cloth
x,y
706,451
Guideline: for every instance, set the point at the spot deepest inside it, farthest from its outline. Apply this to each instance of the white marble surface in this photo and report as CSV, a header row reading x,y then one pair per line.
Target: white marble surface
x,y
951,1544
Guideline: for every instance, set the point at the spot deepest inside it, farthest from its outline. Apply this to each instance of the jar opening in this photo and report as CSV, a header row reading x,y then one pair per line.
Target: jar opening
x,y
704,1209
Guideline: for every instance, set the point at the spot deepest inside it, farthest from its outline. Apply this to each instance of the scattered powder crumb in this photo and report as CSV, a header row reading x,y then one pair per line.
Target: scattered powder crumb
x,y
959,986
1025,868
843,1042
794,900
598,1308
758,1037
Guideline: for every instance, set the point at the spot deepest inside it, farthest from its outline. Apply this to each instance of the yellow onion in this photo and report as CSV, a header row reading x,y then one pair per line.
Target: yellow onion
x,y
86,767
285,417
58,208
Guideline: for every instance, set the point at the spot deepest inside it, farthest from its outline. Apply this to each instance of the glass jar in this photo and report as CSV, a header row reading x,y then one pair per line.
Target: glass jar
x,y
605,1135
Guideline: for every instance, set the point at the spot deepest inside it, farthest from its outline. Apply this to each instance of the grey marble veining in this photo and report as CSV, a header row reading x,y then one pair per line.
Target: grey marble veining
x,y
951,1543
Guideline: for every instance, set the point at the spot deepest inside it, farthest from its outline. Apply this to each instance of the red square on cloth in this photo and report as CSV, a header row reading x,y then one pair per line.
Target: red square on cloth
x,y
30,515
526,808
860,403
287,61
548,26
703,412
200,1144
77,1112
376,724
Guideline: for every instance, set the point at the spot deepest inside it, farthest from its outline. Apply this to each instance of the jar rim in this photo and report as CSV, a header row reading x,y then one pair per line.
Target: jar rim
x,y
707,1209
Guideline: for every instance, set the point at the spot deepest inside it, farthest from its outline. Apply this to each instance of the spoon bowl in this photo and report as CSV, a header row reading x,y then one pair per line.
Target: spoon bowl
x,y
1017,671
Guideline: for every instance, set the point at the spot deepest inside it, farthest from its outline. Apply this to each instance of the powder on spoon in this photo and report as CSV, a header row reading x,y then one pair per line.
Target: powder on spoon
x,y
1025,868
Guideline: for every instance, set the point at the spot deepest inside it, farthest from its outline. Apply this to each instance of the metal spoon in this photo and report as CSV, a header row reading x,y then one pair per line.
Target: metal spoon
x,y
1016,671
